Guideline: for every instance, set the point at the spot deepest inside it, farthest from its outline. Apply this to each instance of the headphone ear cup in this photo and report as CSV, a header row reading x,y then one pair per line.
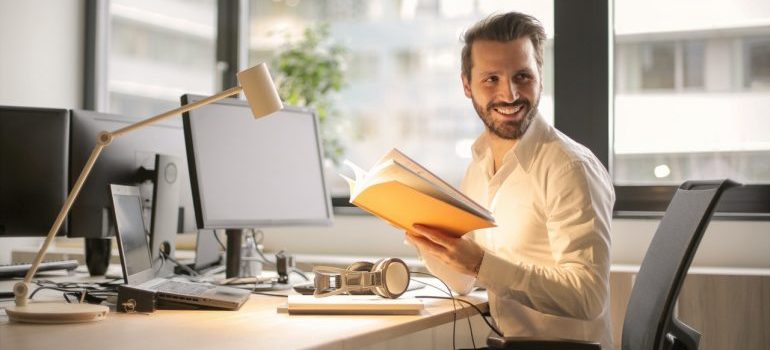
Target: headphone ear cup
x,y
363,266
395,277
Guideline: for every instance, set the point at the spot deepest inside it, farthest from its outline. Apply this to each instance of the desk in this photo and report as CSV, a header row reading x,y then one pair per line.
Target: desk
x,y
257,325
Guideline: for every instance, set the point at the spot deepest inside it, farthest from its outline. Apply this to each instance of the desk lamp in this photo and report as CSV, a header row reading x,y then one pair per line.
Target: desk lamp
x,y
263,99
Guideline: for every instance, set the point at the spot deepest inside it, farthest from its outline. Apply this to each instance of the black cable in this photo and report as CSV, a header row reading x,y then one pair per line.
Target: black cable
x,y
63,290
177,263
492,327
451,297
270,294
481,313
299,272
111,283
216,236
454,306
83,292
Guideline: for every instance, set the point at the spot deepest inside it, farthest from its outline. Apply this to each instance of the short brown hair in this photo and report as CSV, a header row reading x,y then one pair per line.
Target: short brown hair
x,y
504,27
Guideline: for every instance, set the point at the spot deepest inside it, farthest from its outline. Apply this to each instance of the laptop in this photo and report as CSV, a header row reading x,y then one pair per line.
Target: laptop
x,y
136,261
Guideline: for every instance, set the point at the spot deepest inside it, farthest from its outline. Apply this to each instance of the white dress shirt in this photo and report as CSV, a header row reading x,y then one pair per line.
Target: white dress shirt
x,y
546,265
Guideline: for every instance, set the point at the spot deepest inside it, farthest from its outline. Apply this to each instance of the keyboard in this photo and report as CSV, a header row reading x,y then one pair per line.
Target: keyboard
x,y
20,270
185,288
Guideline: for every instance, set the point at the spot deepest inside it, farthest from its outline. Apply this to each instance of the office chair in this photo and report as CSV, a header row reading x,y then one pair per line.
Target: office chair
x,y
649,322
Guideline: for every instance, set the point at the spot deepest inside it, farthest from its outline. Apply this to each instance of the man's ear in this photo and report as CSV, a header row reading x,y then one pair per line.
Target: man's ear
x,y
466,86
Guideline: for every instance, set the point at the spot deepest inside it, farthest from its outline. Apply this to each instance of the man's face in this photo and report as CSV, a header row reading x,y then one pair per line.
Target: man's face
x,y
505,85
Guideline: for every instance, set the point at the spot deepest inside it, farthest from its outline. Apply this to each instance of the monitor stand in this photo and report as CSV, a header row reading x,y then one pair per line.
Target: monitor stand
x,y
165,212
233,263
233,255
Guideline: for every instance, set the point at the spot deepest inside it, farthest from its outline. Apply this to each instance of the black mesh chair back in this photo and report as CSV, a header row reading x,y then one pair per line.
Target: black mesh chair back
x,y
649,323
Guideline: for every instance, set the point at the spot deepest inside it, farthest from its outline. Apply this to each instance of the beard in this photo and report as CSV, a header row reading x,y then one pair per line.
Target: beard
x,y
507,129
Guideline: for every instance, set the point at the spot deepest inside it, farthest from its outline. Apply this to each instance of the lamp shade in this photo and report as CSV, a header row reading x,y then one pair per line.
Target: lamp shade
x,y
259,90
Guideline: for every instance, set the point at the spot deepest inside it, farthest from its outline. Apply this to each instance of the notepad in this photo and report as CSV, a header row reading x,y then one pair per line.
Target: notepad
x,y
351,305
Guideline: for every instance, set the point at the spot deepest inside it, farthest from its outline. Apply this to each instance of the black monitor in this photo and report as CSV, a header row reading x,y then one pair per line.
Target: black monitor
x,y
120,163
249,173
33,181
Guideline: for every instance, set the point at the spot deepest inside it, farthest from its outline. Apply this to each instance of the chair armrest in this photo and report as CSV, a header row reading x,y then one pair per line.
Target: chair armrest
x,y
496,342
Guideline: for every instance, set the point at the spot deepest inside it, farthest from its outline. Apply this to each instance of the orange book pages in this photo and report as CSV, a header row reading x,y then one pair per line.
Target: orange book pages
x,y
404,206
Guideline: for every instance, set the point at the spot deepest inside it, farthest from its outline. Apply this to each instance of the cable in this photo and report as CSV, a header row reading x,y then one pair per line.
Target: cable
x,y
299,272
216,236
93,293
177,263
481,313
270,294
258,237
454,306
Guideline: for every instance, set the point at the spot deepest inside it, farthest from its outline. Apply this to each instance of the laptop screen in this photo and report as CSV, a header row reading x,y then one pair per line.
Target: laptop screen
x,y
132,237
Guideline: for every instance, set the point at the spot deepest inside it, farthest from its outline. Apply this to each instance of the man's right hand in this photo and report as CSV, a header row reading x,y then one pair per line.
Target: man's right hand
x,y
460,254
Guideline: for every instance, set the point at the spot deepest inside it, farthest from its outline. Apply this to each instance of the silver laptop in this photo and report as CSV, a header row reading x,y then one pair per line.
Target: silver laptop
x,y
138,270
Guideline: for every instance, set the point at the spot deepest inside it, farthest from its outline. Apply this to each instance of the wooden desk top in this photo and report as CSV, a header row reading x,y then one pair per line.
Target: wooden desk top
x,y
256,325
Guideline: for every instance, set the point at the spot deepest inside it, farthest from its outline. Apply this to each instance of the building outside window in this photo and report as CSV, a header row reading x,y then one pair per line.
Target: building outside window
x,y
158,51
692,91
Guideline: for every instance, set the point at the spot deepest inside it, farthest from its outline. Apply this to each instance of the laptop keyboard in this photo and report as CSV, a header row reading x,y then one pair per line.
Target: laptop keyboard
x,y
182,288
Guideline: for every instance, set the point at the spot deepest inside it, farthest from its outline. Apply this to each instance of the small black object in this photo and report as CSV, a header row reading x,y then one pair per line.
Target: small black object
x,y
98,253
131,299
283,265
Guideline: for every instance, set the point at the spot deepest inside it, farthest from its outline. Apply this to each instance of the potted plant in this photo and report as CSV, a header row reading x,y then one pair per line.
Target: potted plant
x,y
307,73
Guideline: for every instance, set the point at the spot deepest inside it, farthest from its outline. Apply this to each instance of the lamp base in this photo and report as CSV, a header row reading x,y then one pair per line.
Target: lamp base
x,y
57,313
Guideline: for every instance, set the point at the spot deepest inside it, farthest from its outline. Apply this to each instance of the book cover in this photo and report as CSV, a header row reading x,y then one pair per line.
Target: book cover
x,y
404,193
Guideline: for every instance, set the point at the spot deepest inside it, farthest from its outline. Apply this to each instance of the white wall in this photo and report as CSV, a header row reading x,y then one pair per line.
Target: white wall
x,y
41,55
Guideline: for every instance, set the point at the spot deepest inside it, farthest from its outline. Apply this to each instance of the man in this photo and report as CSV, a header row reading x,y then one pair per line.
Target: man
x,y
546,264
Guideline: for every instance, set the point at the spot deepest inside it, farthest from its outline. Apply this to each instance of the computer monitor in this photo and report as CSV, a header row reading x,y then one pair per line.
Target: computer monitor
x,y
34,145
250,173
120,163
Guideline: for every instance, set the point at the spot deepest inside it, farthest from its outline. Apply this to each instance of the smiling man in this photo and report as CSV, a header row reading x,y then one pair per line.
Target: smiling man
x,y
546,264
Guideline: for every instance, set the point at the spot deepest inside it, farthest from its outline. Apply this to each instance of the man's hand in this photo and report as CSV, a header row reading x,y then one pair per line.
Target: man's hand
x,y
460,254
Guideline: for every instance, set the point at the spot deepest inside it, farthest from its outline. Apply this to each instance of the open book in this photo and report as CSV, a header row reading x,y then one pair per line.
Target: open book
x,y
404,193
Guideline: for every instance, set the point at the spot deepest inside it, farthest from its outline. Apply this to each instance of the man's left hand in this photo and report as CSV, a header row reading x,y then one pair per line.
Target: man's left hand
x,y
463,255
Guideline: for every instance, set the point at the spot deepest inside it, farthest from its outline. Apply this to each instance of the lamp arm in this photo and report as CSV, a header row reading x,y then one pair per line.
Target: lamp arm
x,y
21,289
186,108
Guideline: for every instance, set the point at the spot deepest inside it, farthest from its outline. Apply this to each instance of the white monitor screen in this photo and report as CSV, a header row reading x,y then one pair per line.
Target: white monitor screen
x,y
248,172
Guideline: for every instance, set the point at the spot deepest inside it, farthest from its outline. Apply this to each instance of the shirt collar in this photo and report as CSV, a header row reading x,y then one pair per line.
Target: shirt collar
x,y
525,149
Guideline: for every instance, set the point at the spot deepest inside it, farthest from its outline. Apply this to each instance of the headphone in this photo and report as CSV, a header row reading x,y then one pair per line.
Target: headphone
x,y
388,278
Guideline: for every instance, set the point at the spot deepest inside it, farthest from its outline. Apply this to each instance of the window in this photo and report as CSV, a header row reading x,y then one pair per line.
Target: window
x,y
403,84
658,65
757,62
693,59
159,50
681,111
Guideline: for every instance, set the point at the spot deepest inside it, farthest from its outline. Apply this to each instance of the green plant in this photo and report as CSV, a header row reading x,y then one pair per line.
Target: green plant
x,y
307,73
